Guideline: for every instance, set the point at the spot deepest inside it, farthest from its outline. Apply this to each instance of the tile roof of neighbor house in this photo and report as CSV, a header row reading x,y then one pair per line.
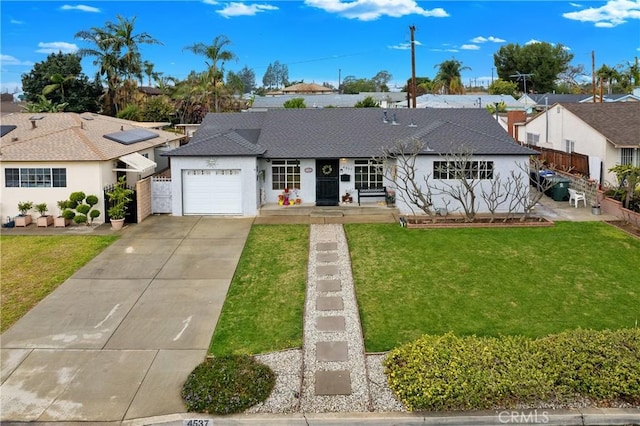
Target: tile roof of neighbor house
x,y
67,136
351,132
307,88
619,122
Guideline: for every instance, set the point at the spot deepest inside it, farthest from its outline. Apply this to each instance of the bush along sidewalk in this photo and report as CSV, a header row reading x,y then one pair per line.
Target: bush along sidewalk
x,y
448,372
227,384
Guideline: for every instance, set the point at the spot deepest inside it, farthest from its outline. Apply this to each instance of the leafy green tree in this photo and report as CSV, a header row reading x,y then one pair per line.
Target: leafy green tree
x,y
42,104
502,87
367,102
248,78
59,77
380,80
130,112
448,79
159,109
352,85
543,61
295,103
276,75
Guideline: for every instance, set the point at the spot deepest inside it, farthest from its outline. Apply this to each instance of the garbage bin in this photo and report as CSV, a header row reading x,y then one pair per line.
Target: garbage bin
x,y
559,191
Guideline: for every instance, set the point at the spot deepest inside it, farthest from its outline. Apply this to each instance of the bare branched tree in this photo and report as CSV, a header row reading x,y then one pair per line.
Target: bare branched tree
x,y
496,195
399,163
459,167
529,198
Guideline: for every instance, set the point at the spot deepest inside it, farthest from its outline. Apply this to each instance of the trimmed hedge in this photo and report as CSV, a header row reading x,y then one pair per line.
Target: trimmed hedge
x,y
227,384
448,372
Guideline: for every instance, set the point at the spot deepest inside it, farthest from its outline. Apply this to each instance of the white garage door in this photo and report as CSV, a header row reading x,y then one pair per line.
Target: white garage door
x,y
211,191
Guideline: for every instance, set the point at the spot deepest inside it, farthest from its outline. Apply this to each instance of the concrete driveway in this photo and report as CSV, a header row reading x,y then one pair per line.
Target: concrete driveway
x,y
117,339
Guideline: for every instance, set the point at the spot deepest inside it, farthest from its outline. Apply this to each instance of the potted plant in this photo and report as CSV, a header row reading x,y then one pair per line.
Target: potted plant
x,y
118,198
391,198
44,219
24,219
64,218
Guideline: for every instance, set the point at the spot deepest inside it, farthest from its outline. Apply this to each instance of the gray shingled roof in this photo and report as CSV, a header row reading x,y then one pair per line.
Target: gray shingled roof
x,y
352,132
619,122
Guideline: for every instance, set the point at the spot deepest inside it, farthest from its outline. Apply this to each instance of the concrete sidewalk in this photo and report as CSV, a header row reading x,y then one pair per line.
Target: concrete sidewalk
x,y
117,339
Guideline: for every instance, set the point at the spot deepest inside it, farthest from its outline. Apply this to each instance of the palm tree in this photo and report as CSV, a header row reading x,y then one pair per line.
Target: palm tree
x,y
448,77
57,83
148,71
607,75
117,54
215,53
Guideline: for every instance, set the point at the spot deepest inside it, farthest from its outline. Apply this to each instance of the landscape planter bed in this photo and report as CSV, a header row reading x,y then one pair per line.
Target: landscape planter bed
x,y
479,222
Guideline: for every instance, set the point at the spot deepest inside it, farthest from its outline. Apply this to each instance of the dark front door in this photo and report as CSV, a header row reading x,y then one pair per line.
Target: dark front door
x,y
327,182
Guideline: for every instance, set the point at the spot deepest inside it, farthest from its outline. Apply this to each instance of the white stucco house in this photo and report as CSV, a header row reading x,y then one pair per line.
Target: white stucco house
x,y
47,156
237,162
609,133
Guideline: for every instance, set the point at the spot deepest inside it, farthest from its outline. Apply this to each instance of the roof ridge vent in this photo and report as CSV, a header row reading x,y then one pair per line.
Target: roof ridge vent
x,y
384,117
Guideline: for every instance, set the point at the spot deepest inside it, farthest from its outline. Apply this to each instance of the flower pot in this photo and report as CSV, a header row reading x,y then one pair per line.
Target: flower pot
x,y
23,220
117,224
595,210
61,222
44,221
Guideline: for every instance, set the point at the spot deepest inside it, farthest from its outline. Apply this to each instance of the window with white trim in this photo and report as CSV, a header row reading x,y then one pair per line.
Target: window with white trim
x,y
463,170
285,174
569,146
35,177
533,139
626,156
368,174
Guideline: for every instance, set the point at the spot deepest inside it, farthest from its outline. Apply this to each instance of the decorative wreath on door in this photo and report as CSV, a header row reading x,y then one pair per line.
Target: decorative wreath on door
x,y
327,169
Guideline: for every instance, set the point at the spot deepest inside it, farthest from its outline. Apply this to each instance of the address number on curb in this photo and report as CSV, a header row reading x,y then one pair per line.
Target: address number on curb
x,y
197,422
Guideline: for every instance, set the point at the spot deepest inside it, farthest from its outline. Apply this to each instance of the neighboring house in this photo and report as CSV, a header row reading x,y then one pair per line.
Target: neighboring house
x,y
545,100
335,100
609,133
237,162
47,156
468,101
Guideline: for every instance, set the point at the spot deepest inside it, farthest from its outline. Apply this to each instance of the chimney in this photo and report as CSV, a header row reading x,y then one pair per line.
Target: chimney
x,y
514,117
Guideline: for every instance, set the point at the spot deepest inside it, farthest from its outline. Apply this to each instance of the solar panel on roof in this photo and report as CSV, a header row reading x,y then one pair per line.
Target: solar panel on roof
x,y
127,137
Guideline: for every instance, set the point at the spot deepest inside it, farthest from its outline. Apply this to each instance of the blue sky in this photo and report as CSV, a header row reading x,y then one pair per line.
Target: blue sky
x,y
326,40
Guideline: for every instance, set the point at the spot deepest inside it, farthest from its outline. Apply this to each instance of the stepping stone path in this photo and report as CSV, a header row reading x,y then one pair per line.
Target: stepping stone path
x,y
334,375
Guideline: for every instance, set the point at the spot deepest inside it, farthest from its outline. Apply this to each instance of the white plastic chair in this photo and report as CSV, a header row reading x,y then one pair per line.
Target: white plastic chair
x,y
575,197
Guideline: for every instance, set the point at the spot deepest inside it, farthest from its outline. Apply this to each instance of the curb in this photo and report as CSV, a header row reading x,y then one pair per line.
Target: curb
x,y
587,416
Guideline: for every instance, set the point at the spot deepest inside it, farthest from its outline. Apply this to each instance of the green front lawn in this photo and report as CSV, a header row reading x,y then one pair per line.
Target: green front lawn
x,y
265,302
32,267
491,282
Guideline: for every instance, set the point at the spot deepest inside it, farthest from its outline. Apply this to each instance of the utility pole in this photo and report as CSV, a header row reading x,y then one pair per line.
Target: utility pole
x,y
414,90
593,74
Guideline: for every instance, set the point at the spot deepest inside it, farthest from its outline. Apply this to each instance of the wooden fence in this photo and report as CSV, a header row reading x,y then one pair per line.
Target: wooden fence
x,y
574,162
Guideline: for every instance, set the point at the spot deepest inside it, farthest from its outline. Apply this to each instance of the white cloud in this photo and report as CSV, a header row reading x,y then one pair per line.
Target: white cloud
x,y
16,22
57,46
81,8
405,46
575,4
492,39
613,13
241,9
370,10
445,50
532,41
11,60
470,47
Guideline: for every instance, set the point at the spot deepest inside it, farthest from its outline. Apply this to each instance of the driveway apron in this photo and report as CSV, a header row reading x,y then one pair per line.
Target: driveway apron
x,y
117,339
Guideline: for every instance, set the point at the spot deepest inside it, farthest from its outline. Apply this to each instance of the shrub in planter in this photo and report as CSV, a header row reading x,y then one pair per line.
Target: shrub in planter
x,y
83,205
227,384
24,207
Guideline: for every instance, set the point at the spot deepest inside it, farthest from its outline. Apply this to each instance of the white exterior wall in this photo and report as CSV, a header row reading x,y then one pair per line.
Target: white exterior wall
x,y
87,177
307,190
564,125
248,171
502,166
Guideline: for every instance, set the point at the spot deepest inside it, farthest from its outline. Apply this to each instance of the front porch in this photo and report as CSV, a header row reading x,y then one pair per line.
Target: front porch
x,y
343,213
